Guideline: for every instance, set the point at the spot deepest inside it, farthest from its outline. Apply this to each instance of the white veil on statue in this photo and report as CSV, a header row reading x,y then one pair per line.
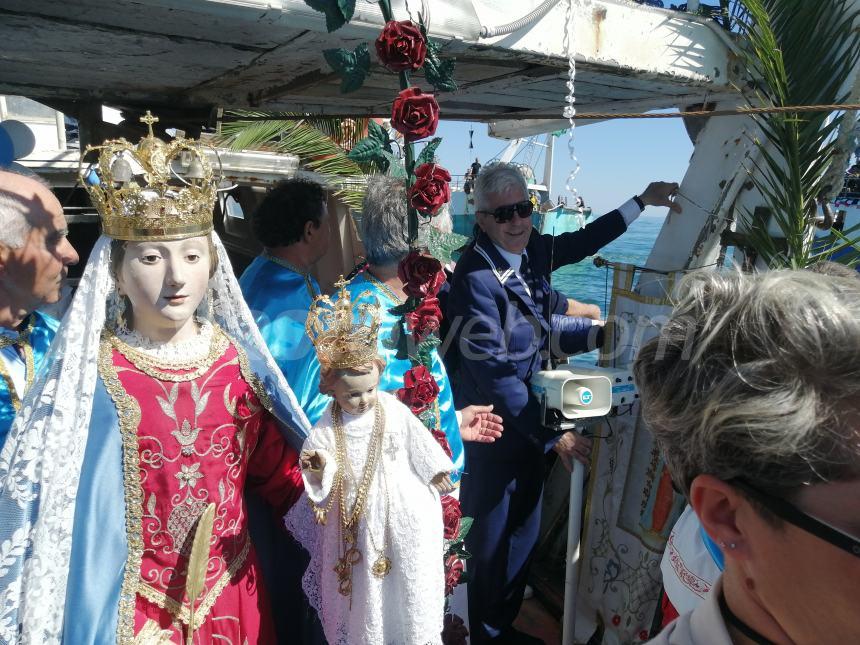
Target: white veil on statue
x,y
40,464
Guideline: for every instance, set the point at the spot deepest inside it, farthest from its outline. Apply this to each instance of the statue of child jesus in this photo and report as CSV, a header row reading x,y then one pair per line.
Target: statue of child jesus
x,y
373,474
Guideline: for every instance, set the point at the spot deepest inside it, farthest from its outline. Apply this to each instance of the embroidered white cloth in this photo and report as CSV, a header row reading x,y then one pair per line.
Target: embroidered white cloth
x,y
406,606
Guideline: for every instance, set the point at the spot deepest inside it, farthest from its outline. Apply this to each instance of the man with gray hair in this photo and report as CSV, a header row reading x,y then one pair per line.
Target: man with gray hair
x,y
34,256
502,301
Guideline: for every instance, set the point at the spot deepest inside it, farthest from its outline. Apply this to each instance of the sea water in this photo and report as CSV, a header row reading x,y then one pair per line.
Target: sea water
x,y
587,283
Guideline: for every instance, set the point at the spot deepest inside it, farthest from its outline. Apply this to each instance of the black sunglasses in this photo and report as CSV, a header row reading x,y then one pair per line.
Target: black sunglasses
x,y
793,515
506,213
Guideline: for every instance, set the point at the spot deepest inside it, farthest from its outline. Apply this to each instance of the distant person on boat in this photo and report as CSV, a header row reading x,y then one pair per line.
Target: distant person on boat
x,y
293,225
501,294
752,391
34,258
476,168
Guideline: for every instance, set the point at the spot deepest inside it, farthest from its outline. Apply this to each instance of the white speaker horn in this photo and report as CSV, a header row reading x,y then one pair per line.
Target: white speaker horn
x,y
573,395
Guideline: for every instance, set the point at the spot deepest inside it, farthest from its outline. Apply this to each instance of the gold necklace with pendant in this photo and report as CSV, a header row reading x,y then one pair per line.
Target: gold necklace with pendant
x,y
350,554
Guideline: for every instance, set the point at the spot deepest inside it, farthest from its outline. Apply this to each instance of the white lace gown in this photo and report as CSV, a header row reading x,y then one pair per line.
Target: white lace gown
x,y
406,606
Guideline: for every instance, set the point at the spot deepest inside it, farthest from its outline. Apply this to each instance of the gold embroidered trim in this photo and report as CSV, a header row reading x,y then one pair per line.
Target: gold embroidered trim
x,y
252,380
180,611
156,369
23,341
128,413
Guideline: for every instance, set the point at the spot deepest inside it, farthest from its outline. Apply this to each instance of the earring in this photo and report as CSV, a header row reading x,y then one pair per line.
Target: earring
x,y
731,545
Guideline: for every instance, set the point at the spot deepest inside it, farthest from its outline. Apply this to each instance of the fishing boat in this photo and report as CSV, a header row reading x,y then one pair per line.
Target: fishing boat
x,y
514,64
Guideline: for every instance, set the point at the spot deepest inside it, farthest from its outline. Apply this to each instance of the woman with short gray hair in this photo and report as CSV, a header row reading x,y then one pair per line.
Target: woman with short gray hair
x,y
752,390
384,236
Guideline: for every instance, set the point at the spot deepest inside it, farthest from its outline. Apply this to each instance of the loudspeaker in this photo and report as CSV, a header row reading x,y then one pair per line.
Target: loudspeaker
x,y
573,394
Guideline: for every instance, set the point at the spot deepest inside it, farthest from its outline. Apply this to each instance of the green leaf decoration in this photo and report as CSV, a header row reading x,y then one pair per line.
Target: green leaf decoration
x,y
379,134
366,151
428,152
441,246
411,304
347,8
439,73
352,67
335,17
465,527
396,168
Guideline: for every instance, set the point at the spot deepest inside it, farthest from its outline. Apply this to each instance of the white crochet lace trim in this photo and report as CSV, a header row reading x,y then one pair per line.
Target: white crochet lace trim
x,y
184,351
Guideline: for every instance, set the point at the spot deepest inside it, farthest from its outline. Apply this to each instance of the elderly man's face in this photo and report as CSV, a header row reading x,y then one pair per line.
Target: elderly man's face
x,y
513,235
33,274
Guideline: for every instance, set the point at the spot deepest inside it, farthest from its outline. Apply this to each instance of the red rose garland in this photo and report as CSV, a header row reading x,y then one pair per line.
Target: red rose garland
x,y
414,114
451,516
430,190
421,275
419,389
425,320
401,46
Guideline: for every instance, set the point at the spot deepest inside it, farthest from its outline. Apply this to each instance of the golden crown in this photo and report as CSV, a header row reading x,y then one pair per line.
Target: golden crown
x,y
151,191
343,334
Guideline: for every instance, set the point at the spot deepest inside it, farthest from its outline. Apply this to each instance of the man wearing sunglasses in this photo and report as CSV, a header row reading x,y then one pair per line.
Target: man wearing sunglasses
x,y
752,391
502,303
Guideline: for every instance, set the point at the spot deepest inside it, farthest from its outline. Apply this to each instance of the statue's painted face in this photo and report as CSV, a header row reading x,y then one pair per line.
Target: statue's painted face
x,y
165,282
356,392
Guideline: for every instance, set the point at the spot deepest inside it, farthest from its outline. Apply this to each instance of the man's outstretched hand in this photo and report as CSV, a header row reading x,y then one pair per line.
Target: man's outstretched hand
x,y
660,193
478,423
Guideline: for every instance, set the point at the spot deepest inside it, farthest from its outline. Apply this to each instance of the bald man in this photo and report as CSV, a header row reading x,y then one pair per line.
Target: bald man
x,y
34,259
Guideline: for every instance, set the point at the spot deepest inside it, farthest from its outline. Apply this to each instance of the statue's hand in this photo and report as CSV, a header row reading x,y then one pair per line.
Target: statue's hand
x,y
442,482
312,460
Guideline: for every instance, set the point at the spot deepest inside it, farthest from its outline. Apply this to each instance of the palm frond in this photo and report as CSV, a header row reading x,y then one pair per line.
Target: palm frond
x,y
800,53
304,138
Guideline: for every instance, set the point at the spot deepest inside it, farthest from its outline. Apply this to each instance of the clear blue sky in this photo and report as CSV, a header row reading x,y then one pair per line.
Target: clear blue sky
x,y
617,158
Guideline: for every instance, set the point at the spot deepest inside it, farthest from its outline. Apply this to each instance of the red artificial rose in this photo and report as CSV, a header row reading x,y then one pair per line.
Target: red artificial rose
x,y
425,320
454,630
451,515
430,189
414,114
401,46
453,571
419,389
422,276
442,440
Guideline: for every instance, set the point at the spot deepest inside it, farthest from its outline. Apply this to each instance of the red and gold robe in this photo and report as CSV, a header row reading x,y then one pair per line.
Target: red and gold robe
x,y
192,437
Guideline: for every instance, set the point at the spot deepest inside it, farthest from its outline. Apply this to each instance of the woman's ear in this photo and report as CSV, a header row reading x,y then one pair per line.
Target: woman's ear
x,y
717,505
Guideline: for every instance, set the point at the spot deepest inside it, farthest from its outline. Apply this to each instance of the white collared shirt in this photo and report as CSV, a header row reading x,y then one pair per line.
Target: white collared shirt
x,y
515,261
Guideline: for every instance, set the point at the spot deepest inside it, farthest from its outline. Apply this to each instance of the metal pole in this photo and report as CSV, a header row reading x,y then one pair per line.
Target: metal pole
x,y
574,531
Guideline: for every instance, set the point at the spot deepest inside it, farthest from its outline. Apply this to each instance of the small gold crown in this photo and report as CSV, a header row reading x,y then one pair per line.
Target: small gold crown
x,y
343,335
151,191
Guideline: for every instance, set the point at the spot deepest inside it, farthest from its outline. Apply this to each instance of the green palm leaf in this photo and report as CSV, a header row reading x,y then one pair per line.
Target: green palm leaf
x,y
311,140
800,53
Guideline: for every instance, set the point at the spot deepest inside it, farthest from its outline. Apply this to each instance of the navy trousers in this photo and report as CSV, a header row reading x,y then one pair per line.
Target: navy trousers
x,y
504,498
